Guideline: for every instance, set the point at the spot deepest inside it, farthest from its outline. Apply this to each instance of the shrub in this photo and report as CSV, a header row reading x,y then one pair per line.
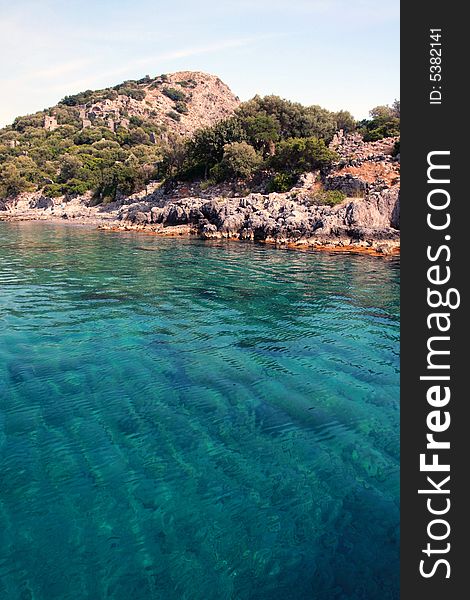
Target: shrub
x,y
68,116
240,160
173,115
174,94
15,177
218,173
110,95
136,94
188,83
384,131
373,135
384,122
22,123
181,107
138,136
70,167
52,190
90,135
204,185
281,182
396,148
299,155
136,121
81,98
330,197
75,187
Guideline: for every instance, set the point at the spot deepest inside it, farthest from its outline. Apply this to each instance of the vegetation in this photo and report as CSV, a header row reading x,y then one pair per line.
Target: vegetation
x,y
270,135
281,182
181,107
174,94
70,160
267,139
299,155
384,122
173,115
328,197
239,160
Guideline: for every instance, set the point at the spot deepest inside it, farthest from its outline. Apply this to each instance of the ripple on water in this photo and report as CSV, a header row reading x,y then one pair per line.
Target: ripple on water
x,y
187,420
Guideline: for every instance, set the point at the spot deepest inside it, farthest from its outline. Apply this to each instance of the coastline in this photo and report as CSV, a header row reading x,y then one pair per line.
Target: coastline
x,y
365,221
378,248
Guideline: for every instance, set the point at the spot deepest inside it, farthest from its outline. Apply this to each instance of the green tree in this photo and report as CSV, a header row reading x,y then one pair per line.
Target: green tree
x,y
345,121
299,155
206,148
240,160
174,157
384,122
14,180
396,108
261,130
70,166
294,120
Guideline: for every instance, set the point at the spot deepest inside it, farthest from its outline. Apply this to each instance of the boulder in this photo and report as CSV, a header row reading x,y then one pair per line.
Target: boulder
x,y
139,218
43,202
348,184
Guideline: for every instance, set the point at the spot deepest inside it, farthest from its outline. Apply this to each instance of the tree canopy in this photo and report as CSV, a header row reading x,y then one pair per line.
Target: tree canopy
x,y
267,135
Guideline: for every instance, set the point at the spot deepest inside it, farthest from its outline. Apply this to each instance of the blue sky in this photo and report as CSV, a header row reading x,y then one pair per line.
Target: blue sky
x,y
336,53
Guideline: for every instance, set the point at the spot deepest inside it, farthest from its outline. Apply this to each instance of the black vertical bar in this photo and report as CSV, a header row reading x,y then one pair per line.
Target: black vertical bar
x,y
426,128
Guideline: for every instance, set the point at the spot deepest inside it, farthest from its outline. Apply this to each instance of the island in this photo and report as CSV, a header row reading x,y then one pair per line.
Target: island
x,y
179,154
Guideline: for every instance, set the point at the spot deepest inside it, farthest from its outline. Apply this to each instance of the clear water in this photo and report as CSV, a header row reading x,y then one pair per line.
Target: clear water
x,y
190,420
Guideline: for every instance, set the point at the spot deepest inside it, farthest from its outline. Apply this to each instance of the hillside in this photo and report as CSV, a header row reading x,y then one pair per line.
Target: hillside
x,y
99,139
181,151
179,102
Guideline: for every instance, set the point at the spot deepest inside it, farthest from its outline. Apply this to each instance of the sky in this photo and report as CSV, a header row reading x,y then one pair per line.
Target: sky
x,y
340,54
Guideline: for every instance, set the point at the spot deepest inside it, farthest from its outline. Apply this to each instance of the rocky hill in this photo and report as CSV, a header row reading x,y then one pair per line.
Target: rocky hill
x,y
179,154
181,102
178,102
110,139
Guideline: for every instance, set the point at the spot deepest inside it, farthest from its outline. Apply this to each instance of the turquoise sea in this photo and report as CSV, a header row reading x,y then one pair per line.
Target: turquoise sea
x,y
189,420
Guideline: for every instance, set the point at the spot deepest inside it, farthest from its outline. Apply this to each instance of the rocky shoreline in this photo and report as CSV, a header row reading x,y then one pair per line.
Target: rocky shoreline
x,y
368,224
366,220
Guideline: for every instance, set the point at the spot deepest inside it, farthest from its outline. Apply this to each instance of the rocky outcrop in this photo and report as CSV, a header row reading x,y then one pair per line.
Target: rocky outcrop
x,y
179,102
364,167
41,202
6,204
352,146
347,183
279,218
370,223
